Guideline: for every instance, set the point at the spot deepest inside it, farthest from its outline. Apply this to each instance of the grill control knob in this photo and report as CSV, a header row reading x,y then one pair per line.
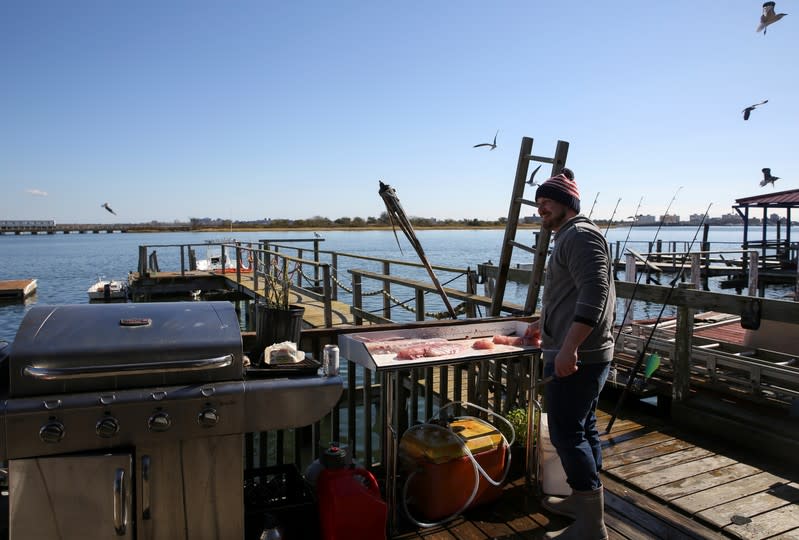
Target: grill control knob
x,y
52,432
208,417
107,427
159,421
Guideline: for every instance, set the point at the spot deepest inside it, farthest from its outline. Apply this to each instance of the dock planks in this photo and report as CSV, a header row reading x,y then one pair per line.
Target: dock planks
x,y
659,483
706,482
17,289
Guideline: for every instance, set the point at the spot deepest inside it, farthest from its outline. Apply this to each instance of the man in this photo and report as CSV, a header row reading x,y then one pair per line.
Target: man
x,y
576,333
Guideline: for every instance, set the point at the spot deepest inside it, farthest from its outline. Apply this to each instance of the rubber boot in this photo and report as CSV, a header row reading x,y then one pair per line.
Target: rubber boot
x,y
589,524
562,506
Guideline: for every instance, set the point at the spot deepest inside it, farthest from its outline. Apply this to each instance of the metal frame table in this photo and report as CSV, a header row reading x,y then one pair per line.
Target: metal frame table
x,y
353,347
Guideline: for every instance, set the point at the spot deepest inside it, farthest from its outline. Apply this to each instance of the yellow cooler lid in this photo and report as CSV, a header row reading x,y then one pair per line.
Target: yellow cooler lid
x,y
439,445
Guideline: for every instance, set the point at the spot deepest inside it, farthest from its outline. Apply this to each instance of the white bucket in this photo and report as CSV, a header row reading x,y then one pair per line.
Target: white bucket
x,y
552,475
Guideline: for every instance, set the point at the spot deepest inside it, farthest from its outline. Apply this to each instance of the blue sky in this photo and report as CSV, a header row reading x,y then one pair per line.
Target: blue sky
x,y
169,110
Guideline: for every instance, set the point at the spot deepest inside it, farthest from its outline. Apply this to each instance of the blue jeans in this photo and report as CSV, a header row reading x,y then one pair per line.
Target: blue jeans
x,y
571,406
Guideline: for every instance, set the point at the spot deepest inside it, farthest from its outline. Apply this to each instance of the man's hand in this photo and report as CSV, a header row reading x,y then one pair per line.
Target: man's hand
x,y
533,334
565,363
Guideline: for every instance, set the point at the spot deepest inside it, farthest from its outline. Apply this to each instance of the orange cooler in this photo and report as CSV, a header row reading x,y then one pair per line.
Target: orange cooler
x,y
444,477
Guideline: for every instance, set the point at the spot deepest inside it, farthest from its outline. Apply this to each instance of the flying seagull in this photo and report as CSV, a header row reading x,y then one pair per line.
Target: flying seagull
x,y
490,145
532,175
747,111
767,178
105,205
768,17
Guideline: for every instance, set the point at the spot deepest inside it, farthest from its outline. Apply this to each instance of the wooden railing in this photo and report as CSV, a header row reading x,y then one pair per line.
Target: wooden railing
x,y
499,385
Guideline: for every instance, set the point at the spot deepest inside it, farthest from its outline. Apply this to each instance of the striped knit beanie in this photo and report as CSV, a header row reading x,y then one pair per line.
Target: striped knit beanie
x,y
561,188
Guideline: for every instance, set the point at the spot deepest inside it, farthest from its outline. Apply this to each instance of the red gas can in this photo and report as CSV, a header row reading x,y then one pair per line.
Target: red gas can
x,y
350,506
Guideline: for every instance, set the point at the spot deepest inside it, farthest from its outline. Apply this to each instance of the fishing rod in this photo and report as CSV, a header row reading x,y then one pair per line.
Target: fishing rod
x,y
646,260
612,216
640,360
593,205
635,219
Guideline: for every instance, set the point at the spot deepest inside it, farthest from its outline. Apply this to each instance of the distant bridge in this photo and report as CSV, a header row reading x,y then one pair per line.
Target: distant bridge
x,y
19,227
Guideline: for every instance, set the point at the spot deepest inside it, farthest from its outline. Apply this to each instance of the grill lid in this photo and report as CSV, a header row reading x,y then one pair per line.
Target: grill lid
x,y
84,347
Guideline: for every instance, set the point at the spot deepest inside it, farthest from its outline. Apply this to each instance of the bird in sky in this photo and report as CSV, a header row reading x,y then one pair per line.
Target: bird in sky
x,y
532,175
490,145
768,17
767,178
747,111
105,205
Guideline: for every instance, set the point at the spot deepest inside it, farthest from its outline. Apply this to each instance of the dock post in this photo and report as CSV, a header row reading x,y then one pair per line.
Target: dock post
x,y
696,279
387,289
334,260
681,382
629,275
753,278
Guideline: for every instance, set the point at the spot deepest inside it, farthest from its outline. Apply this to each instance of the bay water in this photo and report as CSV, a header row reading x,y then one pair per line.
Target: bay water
x,y
65,265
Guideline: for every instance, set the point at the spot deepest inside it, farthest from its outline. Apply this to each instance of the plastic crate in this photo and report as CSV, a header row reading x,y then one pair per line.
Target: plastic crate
x,y
278,496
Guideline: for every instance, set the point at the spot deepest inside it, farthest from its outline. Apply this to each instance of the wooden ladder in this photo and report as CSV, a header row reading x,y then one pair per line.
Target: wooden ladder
x,y
509,242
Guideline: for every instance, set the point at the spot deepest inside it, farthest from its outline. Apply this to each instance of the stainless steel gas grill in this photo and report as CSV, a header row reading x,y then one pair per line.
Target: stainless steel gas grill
x,y
128,420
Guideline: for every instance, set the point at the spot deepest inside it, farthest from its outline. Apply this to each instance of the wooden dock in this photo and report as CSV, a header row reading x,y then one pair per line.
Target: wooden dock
x,y
181,283
660,483
17,289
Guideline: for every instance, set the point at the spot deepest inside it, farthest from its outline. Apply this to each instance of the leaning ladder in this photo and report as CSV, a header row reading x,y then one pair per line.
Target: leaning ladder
x,y
509,242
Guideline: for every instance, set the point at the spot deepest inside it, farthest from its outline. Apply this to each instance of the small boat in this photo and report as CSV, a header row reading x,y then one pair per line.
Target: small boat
x,y
213,261
108,289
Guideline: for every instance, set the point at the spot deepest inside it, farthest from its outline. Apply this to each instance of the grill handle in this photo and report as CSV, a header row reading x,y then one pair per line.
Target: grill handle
x,y
120,503
145,484
114,370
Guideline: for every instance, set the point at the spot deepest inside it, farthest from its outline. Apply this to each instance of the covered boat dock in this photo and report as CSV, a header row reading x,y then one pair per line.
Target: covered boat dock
x,y
778,256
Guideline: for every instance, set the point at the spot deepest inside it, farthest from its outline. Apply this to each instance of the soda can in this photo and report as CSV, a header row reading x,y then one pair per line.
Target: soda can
x,y
330,360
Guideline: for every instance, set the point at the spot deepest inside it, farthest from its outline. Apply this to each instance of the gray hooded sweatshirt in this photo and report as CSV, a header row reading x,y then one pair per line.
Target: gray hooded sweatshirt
x,y
579,287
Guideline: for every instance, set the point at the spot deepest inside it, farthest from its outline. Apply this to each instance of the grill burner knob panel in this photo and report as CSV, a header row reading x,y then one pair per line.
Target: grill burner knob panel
x,y
107,427
52,432
208,417
160,421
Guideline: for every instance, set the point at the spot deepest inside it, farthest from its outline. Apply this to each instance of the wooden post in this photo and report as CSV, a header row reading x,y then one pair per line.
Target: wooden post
x,y
696,270
326,290
316,260
681,382
334,277
387,288
753,278
142,260
629,275
357,302
182,261
419,305
471,288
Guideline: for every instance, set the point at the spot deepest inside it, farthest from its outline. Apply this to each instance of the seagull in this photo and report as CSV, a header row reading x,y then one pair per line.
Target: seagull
x,y
767,178
532,175
490,145
768,17
317,235
105,205
747,111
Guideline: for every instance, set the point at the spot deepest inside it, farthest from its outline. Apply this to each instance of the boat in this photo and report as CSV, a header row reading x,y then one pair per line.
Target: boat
x,y
213,261
108,289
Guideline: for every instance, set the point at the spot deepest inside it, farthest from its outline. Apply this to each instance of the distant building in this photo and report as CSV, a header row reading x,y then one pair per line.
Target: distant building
x,y
646,219
670,219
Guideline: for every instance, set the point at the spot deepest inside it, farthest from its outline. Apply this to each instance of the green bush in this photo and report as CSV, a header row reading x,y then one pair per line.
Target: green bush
x,y
518,419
